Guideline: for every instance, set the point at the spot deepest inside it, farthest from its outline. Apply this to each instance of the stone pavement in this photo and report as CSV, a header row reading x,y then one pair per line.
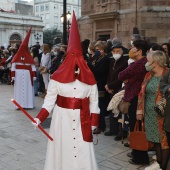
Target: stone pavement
x,y
24,148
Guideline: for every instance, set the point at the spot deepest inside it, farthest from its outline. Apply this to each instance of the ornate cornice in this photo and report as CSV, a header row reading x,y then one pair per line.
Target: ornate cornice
x,y
102,16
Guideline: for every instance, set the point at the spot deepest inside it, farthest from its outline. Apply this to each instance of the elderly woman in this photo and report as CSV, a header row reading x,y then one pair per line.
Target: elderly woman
x,y
100,68
149,95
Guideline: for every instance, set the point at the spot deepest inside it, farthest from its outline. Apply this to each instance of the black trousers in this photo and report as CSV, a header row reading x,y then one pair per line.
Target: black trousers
x,y
168,138
138,156
41,83
114,125
103,110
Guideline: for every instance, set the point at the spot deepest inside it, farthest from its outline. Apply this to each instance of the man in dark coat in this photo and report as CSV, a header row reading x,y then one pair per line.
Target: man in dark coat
x,y
118,64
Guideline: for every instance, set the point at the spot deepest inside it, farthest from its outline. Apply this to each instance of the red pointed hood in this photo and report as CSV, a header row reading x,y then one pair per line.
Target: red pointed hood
x,y
66,72
23,55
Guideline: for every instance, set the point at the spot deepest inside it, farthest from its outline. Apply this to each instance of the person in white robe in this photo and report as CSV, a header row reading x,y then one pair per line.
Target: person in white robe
x,y
23,74
73,96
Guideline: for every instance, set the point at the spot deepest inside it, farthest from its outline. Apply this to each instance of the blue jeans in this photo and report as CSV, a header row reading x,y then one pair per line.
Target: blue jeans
x,y
36,82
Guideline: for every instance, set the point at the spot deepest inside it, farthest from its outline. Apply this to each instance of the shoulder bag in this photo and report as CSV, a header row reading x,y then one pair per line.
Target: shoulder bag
x,y
160,106
138,140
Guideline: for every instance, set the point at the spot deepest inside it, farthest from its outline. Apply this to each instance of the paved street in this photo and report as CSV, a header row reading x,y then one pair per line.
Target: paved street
x,y
24,148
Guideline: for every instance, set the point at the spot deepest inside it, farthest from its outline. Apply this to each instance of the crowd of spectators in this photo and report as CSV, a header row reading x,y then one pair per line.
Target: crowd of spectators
x,y
115,68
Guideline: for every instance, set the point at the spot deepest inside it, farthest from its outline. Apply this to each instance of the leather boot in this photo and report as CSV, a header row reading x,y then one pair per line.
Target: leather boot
x,y
44,94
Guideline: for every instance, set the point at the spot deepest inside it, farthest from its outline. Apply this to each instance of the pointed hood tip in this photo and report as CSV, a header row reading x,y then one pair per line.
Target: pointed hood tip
x,y
23,51
74,43
66,72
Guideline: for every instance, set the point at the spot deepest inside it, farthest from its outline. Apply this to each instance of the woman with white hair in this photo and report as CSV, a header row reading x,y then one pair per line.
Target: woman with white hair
x,y
149,96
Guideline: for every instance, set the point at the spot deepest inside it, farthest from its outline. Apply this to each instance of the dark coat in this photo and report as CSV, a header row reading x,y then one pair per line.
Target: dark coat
x,y
164,86
56,62
115,68
100,69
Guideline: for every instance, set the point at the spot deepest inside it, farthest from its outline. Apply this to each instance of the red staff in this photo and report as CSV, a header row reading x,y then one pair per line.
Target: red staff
x,y
26,113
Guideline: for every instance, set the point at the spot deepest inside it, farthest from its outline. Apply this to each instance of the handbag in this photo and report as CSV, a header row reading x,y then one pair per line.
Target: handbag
x,y
160,106
138,139
123,106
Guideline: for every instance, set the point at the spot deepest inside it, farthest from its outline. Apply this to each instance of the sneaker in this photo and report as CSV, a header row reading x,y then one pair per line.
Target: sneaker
x,y
154,166
39,93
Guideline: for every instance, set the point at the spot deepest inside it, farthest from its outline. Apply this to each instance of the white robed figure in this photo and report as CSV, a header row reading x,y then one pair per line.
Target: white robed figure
x,y
23,74
73,96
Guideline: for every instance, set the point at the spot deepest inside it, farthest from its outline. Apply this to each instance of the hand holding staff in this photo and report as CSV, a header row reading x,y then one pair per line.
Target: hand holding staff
x,y
26,113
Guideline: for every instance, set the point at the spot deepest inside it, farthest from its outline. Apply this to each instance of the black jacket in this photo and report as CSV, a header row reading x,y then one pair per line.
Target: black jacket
x,y
100,69
115,68
56,62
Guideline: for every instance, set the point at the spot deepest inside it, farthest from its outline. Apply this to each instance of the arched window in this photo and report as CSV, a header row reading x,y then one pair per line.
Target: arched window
x,y
15,37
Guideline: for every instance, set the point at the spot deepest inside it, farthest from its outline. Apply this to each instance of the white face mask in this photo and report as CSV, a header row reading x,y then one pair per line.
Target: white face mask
x,y
55,53
130,61
116,56
89,51
131,42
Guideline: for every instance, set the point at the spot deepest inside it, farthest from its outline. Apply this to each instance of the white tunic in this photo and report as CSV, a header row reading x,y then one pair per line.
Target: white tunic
x,y
69,151
23,89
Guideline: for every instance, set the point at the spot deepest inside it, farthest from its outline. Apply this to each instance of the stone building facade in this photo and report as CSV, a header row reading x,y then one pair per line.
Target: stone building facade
x,y
15,20
108,18
51,11
14,28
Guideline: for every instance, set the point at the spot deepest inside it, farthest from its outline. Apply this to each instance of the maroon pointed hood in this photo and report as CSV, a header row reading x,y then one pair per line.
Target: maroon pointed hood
x,y
23,55
66,72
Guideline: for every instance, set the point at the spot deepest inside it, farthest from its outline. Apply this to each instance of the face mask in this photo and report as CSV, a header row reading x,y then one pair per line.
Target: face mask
x,y
61,53
132,54
97,53
116,56
131,42
89,51
130,61
55,53
148,67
